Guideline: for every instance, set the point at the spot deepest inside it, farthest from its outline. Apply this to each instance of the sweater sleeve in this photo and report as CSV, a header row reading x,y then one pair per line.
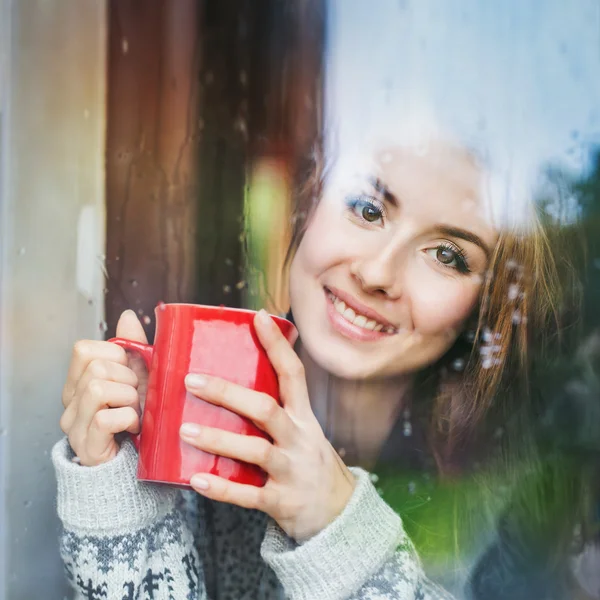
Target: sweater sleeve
x,y
122,538
363,554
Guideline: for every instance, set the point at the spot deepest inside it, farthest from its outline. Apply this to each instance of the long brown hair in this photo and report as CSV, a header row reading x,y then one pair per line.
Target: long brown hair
x,y
489,366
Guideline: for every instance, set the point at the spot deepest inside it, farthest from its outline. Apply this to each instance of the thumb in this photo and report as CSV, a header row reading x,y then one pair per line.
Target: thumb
x,y
130,328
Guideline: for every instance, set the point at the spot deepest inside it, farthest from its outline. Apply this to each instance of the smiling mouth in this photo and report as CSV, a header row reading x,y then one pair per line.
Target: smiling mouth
x,y
355,318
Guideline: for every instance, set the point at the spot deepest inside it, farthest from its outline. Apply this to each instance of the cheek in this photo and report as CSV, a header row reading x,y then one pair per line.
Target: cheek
x,y
440,305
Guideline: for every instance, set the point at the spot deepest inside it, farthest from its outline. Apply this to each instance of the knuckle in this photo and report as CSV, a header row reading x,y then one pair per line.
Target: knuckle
x,y
98,369
96,389
99,420
267,410
265,453
295,370
82,349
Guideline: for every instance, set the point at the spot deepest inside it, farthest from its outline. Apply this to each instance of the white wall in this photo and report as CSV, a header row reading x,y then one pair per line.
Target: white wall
x,y
52,111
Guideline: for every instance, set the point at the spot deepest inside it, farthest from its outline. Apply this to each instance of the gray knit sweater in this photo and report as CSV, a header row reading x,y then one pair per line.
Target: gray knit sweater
x,y
127,540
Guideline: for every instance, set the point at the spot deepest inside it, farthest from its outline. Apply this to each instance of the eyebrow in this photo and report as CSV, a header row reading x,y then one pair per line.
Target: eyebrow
x,y
383,190
463,234
448,230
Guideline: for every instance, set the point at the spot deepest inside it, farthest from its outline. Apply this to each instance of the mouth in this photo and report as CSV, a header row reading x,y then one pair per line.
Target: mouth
x,y
354,321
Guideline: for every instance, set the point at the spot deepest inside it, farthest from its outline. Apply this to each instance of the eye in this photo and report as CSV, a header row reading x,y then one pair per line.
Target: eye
x,y
366,209
449,256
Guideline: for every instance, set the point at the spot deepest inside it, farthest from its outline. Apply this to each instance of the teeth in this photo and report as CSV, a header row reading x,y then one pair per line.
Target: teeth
x,y
349,315
358,320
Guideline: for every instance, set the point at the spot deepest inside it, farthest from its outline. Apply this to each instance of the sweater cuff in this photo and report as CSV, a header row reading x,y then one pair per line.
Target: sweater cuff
x,y
107,499
341,558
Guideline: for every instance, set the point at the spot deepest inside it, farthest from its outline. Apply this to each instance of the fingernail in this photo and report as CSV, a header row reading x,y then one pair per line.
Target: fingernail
x,y
199,483
264,317
195,381
189,430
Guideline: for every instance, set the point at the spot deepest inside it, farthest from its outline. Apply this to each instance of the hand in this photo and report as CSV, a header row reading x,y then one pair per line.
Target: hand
x,y
308,484
101,395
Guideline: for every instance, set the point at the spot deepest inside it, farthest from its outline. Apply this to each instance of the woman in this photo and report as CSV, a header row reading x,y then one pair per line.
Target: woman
x,y
412,308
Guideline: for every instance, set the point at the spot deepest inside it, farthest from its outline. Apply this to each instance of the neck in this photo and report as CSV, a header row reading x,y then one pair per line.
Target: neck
x,y
356,416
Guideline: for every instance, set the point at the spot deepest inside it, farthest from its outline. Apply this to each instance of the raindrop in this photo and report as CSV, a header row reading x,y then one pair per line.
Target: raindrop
x,y
374,477
486,363
146,320
470,336
124,45
458,364
513,291
229,262
161,305
103,326
516,319
240,285
407,429
412,487
380,491
226,289
140,311
511,264
487,336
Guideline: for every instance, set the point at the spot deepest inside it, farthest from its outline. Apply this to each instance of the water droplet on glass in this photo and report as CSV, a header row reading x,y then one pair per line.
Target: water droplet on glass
x,y
103,326
374,477
125,45
226,289
513,291
487,363
458,364
407,429
146,320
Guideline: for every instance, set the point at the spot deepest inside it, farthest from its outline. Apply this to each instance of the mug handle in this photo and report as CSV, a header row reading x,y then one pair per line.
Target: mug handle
x,y
146,351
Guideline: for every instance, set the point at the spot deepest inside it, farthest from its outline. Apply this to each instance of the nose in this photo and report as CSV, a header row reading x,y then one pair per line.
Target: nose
x,y
381,272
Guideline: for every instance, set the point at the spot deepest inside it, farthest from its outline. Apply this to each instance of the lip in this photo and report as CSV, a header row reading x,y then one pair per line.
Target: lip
x,y
357,307
349,330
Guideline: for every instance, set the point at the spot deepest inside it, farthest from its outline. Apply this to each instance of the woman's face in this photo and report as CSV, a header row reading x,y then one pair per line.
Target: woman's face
x,y
390,267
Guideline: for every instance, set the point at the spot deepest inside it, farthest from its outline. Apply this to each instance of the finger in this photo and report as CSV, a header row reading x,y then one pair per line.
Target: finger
x,y
223,490
107,371
84,352
249,448
260,408
105,425
129,327
102,394
285,361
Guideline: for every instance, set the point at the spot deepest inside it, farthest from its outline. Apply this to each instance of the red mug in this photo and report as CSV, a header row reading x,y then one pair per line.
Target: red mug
x,y
212,340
